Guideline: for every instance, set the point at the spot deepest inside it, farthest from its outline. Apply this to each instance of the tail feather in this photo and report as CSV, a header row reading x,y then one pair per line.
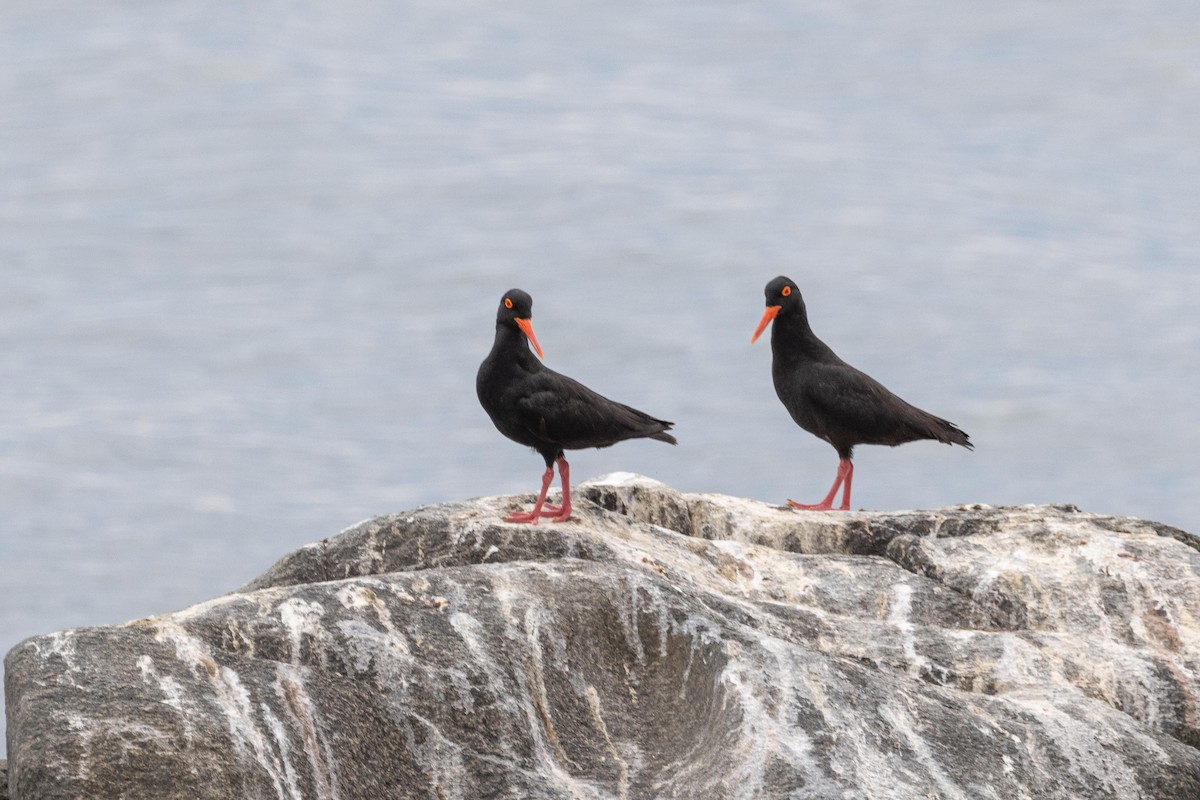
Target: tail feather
x,y
663,436
949,433
928,426
643,426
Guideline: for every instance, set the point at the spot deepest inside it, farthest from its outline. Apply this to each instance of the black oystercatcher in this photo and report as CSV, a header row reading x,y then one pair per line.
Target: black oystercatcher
x,y
831,399
534,405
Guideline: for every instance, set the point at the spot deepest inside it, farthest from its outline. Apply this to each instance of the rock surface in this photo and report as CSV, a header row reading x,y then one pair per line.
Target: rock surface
x,y
660,645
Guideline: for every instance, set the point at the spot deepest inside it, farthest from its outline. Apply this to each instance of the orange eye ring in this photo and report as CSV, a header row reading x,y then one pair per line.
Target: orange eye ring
x,y
787,291
507,303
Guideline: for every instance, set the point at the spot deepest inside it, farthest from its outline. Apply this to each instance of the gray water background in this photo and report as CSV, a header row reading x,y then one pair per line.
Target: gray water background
x,y
250,259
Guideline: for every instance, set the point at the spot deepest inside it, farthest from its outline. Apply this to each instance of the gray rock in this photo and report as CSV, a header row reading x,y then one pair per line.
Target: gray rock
x,y
660,645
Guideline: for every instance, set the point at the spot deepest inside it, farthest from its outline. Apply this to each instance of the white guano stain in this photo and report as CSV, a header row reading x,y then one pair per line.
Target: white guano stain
x,y
905,725
444,759
279,733
363,595
301,617
1087,750
130,736
593,698
256,730
291,689
900,615
529,700
232,701
173,694
768,729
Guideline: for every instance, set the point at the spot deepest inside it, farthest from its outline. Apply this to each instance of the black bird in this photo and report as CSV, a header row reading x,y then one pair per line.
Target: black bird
x,y
535,406
831,399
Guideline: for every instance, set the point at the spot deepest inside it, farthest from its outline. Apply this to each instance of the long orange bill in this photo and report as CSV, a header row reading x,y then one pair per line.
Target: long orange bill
x,y
526,326
768,316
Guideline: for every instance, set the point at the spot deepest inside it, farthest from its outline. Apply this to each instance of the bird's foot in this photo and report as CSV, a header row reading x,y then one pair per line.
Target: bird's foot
x,y
532,517
824,505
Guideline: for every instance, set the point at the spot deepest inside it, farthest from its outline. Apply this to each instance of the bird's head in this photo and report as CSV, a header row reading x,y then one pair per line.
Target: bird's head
x,y
783,297
516,310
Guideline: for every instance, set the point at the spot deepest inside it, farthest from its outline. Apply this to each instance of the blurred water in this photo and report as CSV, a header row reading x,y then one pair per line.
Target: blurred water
x,y
250,257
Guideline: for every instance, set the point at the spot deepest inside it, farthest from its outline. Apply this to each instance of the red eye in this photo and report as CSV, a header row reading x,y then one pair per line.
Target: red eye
x,y
507,303
787,291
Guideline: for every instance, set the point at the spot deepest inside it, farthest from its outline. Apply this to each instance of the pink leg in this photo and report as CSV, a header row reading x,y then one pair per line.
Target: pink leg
x,y
532,516
845,474
564,473
846,490
559,513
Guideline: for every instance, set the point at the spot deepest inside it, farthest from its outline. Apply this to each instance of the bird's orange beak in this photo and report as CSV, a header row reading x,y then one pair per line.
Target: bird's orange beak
x,y
526,326
768,315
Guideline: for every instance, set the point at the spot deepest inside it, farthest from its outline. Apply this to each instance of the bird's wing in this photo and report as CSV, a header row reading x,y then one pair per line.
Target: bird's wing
x,y
561,410
851,400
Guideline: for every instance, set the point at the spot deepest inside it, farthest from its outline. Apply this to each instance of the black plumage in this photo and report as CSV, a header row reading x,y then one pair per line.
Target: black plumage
x,y
831,399
534,405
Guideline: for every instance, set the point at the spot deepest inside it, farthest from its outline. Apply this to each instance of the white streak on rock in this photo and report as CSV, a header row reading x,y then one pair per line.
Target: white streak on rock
x,y
292,693
900,615
130,737
363,594
173,693
302,618
906,725
232,700
443,758
1086,751
537,718
279,733
368,647
62,644
593,699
